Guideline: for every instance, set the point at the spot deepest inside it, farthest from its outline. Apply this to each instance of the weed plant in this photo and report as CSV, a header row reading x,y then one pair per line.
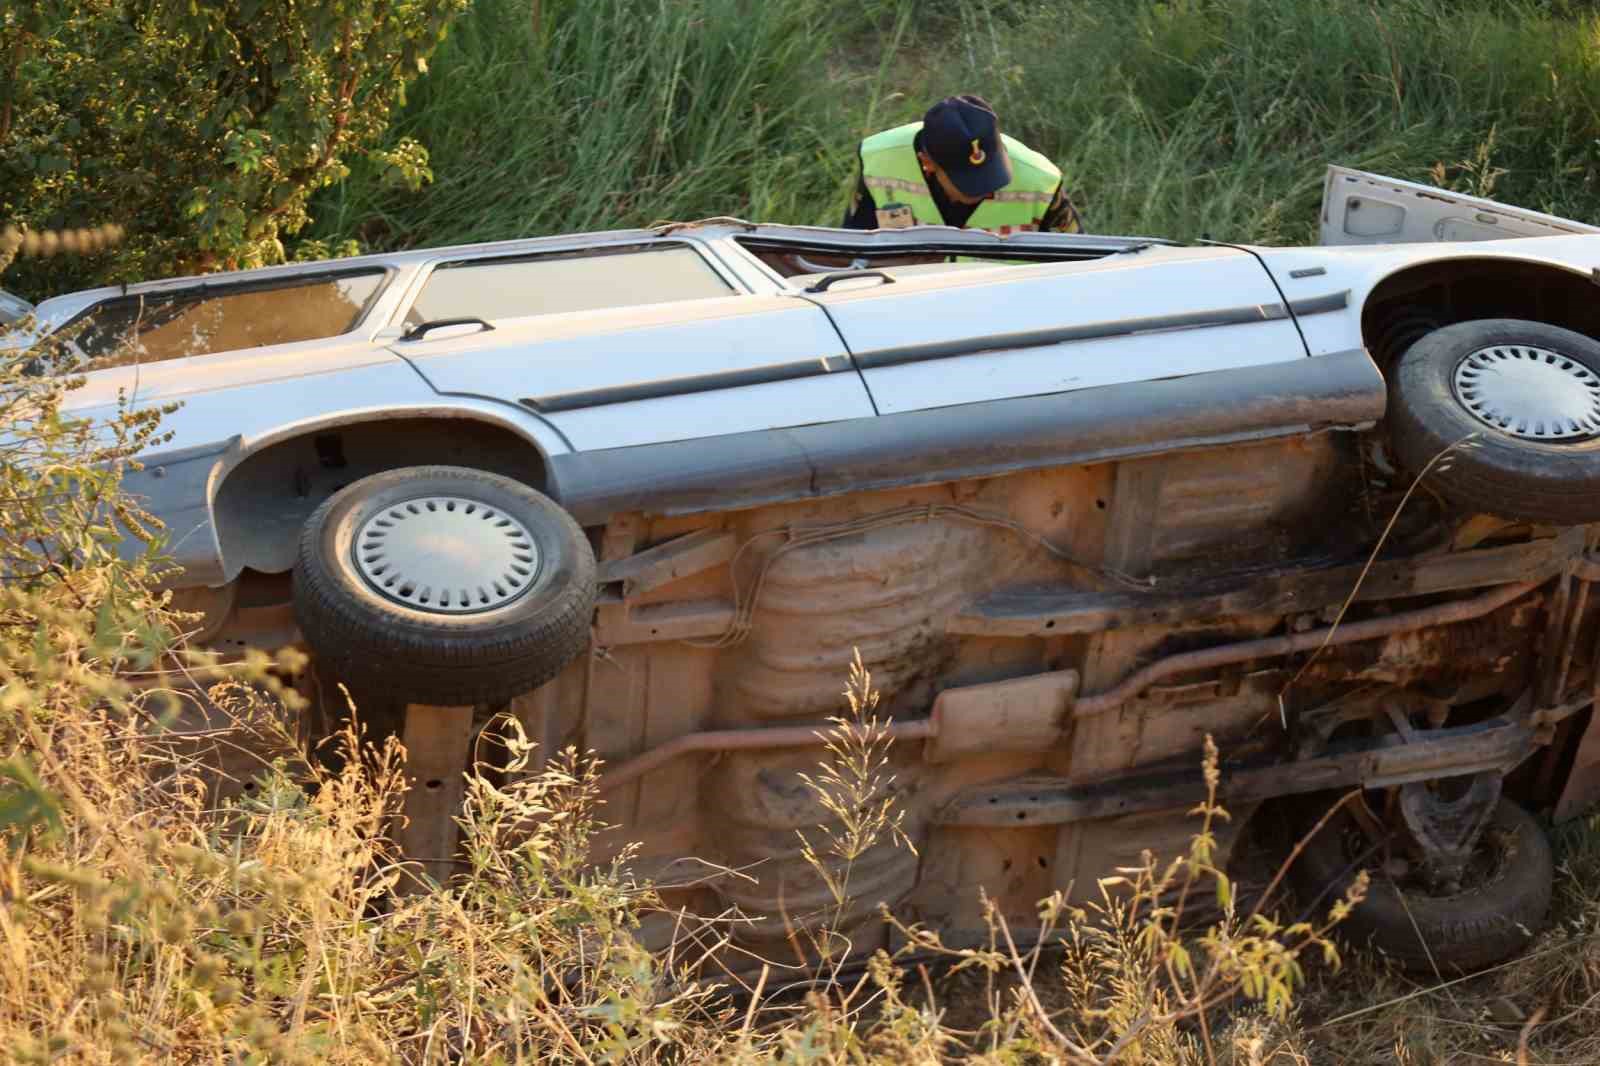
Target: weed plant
x,y
1182,118
144,917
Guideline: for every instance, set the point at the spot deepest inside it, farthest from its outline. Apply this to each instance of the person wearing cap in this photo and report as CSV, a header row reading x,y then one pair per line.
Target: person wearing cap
x,y
955,168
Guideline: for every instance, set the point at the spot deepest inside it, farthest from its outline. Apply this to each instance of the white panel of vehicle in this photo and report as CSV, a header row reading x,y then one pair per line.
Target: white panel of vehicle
x,y
173,379
1312,274
271,408
1362,208
695,368
963,337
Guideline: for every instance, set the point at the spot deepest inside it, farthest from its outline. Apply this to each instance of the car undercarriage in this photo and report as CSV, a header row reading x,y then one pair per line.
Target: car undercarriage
x,y
1050,650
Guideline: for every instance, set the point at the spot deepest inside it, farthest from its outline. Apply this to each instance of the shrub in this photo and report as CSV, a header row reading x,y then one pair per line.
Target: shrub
x,y
208,125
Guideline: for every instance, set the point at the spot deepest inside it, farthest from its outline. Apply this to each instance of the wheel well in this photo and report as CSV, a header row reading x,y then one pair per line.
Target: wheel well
x,y
262,503
1412,302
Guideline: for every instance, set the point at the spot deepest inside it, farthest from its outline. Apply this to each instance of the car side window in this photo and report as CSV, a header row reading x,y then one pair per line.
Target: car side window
x,y
209,319
553,282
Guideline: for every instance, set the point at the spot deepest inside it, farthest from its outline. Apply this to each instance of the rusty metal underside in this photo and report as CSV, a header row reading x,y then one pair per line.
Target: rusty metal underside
x,y
1051,649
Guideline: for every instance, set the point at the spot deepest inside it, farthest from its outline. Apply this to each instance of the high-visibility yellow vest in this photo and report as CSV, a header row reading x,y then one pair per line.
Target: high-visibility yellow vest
x,y
893,174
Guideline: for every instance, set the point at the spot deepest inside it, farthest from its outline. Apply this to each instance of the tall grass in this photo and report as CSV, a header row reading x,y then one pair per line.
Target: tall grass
x,y
1218,116
1183,118
577,114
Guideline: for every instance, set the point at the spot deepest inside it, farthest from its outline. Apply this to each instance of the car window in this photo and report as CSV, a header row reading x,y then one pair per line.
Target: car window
x,y
802,263
13,308
208,319
588,280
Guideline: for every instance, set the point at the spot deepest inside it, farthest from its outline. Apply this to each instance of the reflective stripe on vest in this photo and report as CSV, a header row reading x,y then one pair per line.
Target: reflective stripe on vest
x,y
892,172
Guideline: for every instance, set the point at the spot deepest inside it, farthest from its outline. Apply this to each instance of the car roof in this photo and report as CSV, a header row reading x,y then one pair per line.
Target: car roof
x,y
706,229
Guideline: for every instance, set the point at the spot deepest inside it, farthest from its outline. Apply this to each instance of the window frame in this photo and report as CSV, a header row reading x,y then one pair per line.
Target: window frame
x,y
1027,249
737,285
202,289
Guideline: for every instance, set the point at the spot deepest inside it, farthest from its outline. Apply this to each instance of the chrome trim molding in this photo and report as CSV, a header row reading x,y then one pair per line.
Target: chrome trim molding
x,y
918,353
1320,305
655,390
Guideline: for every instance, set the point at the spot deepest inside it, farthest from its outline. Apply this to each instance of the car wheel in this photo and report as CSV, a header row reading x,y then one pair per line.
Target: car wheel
x,y
443,585
1494,914
1529,392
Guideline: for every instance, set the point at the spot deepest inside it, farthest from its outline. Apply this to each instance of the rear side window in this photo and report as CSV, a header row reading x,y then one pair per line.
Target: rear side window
x,y
547,284
13,308
208,319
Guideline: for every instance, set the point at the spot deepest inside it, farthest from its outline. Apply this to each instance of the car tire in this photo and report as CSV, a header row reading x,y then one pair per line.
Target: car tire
x,y
443,585
1511,383
1460,933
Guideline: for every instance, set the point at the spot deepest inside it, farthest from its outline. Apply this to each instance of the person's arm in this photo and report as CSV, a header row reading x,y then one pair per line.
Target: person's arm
x,y
863,211
1061,216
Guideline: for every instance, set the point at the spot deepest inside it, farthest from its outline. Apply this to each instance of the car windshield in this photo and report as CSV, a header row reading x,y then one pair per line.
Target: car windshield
x,y
151,327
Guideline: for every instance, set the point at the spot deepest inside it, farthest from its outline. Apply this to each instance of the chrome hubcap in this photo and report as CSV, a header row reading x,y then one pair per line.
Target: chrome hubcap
x,y
1532,393
446,555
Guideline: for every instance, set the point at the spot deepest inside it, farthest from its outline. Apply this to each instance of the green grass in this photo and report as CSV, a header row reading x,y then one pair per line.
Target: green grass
x,y
1186,118
611,112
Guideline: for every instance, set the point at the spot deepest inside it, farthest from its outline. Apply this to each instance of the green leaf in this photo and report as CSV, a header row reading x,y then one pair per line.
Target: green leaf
x,y
25,803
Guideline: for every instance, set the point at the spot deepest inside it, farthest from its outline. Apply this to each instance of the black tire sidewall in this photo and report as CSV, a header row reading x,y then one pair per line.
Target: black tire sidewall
x,y
556,536
1463,932
1514,477
431,657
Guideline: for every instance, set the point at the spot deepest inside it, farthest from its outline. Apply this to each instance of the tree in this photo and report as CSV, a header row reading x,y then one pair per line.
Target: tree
x,y
203,125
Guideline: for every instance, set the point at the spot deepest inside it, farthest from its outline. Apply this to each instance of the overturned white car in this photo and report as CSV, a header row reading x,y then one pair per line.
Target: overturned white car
x,y
1077,500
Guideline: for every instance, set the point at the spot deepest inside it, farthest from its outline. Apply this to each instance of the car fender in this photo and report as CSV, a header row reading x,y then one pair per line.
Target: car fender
x,y
1327,288
213,433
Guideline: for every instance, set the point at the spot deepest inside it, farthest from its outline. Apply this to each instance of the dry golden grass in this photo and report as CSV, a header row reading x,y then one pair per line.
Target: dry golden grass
x,y
143,921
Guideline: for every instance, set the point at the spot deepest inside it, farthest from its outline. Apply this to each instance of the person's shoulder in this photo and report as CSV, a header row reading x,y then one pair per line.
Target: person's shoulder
x,y
1025,160
893,137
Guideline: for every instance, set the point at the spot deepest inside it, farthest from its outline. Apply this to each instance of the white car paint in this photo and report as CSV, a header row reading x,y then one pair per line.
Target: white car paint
x,y
560,356
991,309
1366,209
1359,270
1373,227
777,356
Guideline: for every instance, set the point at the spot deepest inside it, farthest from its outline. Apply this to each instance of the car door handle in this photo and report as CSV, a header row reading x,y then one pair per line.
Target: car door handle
x,y
420,329
821,284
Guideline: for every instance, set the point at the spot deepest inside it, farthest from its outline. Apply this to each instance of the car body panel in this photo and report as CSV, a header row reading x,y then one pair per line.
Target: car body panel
x,y
985,439
180,481
183,379
966,337
1359,208
1351,274
662,372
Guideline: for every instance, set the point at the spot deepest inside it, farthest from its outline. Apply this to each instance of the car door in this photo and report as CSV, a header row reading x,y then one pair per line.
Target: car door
x,y
1363,208
626,344
956,336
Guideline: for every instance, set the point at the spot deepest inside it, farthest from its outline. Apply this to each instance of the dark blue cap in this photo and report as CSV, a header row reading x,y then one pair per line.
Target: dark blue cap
x,y
962,135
